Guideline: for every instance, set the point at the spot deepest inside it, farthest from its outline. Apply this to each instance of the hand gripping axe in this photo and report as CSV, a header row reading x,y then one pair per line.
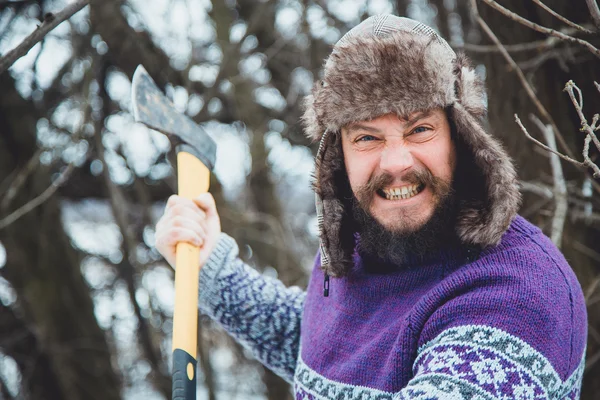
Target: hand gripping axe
x,y
196,153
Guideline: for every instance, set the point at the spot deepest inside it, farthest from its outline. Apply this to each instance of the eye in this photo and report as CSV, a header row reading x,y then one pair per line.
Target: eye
x,y
420,129
365,138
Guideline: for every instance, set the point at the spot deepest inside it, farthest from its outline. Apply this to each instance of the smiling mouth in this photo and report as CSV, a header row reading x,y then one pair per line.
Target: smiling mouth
x,y
403,192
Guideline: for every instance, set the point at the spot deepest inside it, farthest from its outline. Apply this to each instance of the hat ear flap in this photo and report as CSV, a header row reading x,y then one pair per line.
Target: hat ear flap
x,y
470,88
484,221
312,127
335,224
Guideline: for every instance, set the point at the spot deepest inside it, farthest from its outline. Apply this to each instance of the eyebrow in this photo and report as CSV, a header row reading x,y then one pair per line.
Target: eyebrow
x,y
409,122
359,127
418,116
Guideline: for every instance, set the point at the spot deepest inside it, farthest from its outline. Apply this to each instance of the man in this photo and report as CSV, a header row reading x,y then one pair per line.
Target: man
x,y
439,289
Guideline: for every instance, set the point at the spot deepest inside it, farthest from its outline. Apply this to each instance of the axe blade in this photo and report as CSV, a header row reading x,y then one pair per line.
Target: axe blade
x,y
153,109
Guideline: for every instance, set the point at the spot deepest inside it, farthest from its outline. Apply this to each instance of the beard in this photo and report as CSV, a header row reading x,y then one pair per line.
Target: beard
x,y
390,249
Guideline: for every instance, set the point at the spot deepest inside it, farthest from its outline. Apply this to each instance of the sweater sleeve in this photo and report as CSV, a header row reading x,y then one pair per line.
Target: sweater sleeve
x,y
482,362
259,312
505,335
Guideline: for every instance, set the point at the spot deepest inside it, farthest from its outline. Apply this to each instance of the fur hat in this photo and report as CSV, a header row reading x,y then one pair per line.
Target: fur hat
x,y
390,64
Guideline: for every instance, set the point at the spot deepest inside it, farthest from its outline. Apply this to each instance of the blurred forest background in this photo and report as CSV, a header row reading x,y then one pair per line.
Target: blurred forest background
x,y
85,299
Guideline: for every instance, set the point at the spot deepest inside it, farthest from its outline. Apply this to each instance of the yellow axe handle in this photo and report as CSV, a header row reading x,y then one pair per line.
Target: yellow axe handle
x,y
193,179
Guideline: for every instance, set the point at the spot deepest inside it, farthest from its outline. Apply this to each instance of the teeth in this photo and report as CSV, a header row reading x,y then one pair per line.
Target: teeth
x,y
404,192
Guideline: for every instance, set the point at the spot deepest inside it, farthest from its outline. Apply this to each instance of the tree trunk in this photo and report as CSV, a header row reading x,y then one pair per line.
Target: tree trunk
x,y
44,268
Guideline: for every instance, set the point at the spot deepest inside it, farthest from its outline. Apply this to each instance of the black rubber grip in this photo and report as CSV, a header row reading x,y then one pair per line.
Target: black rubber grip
x,y
183,387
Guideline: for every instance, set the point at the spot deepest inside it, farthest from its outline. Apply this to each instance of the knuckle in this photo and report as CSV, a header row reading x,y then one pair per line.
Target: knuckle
x,y
178,221
177,209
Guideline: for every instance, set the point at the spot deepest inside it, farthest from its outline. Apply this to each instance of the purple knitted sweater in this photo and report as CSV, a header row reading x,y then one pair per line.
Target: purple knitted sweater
x,y
509,325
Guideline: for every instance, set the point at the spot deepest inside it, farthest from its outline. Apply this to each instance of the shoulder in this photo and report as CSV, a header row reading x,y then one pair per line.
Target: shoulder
x,y
529,263
522,289
524,259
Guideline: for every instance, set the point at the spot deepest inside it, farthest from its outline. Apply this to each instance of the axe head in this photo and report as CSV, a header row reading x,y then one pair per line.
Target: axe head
x,y
153,109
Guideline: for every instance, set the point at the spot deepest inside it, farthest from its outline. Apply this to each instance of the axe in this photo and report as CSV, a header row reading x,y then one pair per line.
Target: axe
x,y
196,153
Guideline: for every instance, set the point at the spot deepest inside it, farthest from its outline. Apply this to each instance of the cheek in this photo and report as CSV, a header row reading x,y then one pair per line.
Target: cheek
x,y
441,160
358,167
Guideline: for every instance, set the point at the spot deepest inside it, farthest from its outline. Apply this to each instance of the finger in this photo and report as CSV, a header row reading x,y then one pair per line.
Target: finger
x,y
206,202
173,199
191,212
186,223
176,202
174,236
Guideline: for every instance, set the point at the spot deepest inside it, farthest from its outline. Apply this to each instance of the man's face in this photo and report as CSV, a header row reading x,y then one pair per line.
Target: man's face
x,y
400,170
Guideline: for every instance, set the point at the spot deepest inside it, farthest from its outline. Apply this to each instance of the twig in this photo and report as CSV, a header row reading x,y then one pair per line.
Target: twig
x,y
540,28
129,264
560,17
594,12
570,87
593,254
560,185
10,3
591,361
537,188
528,89
559,54
595,122
51,21
587,162
586,157
511,48
537,45
62,178
543,146
20,179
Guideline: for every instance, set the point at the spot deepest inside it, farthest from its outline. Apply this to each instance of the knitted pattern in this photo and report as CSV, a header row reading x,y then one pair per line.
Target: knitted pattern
x,y
469,362
259,312
510,325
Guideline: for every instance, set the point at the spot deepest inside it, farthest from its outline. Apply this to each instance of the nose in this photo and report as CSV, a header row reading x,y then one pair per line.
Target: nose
x,y
396,158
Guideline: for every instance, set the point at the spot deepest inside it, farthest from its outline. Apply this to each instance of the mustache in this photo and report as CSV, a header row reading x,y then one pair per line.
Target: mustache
x,y
438,186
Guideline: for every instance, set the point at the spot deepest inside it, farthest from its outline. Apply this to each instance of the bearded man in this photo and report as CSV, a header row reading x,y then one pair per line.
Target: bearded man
x,y
438,289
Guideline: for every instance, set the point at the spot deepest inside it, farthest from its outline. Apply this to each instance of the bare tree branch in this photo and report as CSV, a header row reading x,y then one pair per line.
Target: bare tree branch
x,y
51,21
560,185
31,205
20,179
591,361
594,255
570,87
537,188
530,92
537,45
543,146
11,3
511,48
524,82
594,12
587,162
586,156
128,266
560,17
542,29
